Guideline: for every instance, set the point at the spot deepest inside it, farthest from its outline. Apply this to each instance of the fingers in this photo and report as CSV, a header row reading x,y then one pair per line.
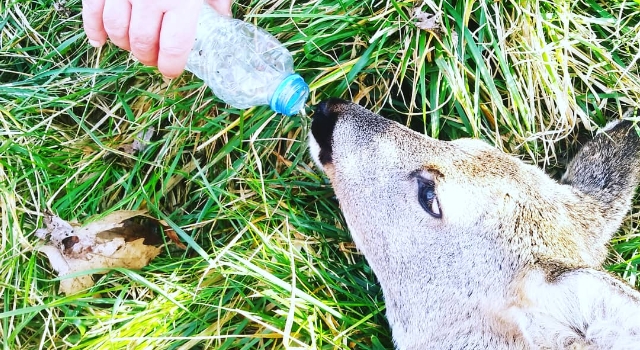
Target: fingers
x,y
92,21
157,32
223,7
116,17
144,32
176,39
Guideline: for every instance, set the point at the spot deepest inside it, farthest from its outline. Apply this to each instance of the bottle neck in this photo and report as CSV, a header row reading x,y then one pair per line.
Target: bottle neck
x,y
290,95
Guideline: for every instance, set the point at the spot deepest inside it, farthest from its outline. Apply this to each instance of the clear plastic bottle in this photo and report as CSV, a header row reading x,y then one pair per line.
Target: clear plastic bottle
x,y
244,65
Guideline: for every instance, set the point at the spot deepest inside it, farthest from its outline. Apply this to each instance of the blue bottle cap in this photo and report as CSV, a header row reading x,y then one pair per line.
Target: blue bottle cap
x,y
290,96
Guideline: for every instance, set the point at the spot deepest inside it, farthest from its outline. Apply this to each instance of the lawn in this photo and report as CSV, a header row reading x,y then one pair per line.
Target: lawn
x,y
268,261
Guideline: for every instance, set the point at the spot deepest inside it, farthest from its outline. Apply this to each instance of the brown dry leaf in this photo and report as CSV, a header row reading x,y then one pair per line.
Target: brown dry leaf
x,y
173,236
100,244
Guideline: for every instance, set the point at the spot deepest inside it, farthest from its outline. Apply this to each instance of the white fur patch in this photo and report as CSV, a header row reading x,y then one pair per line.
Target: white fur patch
x,y
314,150
610,125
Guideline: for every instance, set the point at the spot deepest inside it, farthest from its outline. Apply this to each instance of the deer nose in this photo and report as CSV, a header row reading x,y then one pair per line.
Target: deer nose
x,y
325,117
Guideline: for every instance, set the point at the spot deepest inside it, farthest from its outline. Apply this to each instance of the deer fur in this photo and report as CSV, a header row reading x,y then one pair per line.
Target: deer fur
x,y
492,253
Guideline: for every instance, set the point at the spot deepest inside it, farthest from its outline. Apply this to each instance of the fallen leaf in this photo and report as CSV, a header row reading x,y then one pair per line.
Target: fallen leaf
x,y
139,143
147,228
105,243
433,23
62,9
427,21
173,236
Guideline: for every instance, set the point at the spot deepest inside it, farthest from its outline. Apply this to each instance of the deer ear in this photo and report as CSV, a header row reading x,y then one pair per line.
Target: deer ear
x,y
607,169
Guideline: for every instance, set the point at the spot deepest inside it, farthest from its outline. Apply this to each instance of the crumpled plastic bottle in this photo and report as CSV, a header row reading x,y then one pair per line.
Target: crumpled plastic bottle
x,y
244,65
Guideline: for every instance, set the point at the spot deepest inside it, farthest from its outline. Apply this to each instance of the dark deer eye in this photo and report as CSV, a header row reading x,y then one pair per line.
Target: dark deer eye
x,y
428,198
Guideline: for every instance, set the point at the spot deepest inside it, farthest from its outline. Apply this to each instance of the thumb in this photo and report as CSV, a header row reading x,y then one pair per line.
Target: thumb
x,y
222,7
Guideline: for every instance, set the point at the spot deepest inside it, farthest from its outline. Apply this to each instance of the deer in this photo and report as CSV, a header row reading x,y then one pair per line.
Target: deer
x,y
474,248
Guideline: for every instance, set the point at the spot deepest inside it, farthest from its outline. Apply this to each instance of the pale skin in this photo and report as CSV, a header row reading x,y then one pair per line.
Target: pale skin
x,y
157,32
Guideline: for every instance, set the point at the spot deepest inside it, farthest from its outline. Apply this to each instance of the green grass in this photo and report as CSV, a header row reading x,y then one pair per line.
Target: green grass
x,y
270,262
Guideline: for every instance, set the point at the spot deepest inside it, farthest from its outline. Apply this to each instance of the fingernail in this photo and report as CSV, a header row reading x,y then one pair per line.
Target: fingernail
x,y
95,43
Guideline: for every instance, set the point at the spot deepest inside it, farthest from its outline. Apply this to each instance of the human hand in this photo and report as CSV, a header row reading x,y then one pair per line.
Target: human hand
x,y
157,32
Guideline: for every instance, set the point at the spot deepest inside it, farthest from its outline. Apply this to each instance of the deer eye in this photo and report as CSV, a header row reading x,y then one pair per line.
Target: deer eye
x,y
428,198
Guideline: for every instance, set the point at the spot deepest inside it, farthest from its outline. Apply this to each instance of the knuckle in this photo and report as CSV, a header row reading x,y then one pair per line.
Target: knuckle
x,y
173,50
144,43
92,7
115,25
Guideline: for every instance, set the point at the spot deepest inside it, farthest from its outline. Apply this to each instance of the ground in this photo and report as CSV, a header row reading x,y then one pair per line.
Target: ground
x,y
268,261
